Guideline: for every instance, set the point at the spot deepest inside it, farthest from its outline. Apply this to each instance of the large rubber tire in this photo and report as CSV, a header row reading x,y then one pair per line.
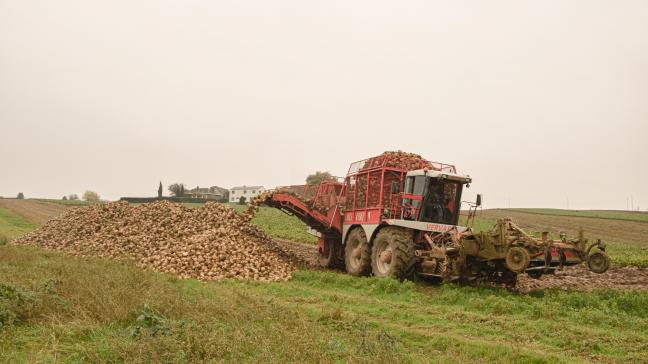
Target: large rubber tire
x,y
328,256
357,253
392,254
517,259
598,262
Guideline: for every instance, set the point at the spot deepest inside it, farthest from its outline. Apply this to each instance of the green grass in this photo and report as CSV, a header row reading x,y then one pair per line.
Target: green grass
x,y
13,225
624,254
56,308
599,214
280,225
63,309
479,224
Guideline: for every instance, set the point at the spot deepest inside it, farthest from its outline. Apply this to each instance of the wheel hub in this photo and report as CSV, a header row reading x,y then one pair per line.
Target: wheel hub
x,y
598,262
386,256
517,259
356,253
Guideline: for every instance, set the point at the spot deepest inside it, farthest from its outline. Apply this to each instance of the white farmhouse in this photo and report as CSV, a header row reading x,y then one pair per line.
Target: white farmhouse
x,y
235,193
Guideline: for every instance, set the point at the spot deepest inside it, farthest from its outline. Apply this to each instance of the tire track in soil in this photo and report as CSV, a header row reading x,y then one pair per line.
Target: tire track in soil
x,y
305,253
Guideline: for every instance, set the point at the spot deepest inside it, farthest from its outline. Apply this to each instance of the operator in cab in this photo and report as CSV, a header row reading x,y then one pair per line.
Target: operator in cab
x,y
439,202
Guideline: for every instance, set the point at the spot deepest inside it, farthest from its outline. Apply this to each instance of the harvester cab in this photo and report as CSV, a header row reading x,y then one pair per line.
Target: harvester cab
x,y
433,196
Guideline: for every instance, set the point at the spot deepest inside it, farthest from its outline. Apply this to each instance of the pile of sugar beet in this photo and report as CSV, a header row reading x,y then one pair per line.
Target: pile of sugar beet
x,y
208,243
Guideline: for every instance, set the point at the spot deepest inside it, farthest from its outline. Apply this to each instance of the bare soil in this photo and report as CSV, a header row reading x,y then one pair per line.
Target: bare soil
x,y
36,211
580,279
306,254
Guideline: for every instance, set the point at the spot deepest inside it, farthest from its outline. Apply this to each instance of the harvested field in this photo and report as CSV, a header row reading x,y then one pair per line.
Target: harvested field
x,y
641,216
34,210
209,243
578,278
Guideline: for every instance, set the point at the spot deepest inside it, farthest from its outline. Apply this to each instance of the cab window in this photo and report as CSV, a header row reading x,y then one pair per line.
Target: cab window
x,y
441,202
414,186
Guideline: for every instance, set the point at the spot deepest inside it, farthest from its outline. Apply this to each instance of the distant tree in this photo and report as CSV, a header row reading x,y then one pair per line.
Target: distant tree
x,y
242,200
73,197
20,196
64,198
225,197
160,190
177,189
91,196
317,177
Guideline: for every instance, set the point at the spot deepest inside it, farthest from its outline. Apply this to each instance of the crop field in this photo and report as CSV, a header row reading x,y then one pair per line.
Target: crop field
x,y
63,202
36,211
601,214
57,308
13,225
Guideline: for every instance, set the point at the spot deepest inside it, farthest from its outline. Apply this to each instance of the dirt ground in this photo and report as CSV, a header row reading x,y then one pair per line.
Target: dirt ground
x,y
305,253
634,232
36,211
580,279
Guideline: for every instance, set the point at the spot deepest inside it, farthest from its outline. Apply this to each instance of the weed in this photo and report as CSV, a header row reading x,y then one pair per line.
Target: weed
x,y
16,305
150,322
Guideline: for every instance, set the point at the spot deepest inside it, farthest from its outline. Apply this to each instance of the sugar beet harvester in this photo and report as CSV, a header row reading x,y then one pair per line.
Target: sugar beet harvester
x,y
398,214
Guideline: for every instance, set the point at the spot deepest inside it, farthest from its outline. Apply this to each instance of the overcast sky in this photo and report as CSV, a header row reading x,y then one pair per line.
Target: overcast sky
x,y
543,103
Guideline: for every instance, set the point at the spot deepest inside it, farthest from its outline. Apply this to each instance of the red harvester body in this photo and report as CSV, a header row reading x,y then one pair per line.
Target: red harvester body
x,y
397,214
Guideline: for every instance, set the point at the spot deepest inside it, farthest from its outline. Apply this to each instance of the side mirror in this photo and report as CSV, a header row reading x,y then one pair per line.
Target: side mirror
x,y
394,187
479,199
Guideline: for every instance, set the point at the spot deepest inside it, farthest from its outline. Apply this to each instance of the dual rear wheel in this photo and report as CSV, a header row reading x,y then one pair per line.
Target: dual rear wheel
x,y
391,253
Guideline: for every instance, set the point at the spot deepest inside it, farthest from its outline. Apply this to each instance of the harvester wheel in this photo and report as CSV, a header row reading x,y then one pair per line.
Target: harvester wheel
x,y
392,254
357,253
327,255
598,262
517,259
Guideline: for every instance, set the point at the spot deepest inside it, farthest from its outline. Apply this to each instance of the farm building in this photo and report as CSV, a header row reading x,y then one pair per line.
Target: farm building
x,y
212,193
235,193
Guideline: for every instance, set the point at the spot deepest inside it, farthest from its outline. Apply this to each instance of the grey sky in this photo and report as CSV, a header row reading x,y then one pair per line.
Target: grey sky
x,y
538,101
